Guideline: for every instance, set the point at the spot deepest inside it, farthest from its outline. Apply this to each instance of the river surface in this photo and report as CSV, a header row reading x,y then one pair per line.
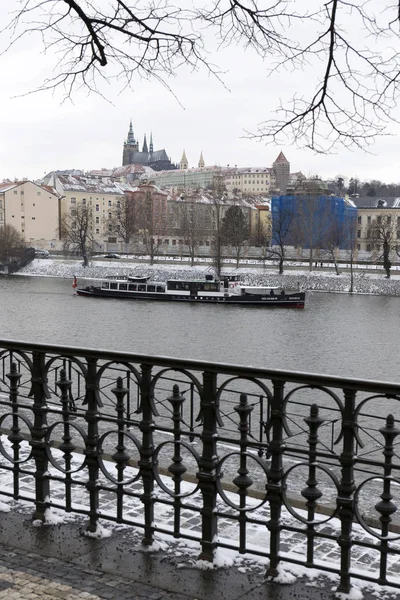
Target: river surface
x,y
336,334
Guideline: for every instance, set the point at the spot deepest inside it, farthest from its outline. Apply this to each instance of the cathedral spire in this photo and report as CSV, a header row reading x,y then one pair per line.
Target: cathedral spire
x,y
184,161
151,143
131,137
145,149
201,160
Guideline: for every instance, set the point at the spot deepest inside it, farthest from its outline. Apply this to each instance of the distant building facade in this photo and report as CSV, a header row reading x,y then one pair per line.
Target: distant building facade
x,y
33,210
371,210
132,155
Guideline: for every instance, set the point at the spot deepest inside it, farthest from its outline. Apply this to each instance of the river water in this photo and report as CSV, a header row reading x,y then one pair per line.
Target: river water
x,y
336,334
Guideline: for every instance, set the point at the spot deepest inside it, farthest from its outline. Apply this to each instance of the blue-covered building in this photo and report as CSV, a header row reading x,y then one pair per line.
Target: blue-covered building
x,y
311,220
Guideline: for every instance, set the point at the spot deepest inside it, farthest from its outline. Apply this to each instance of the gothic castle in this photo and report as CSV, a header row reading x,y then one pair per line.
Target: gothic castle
x,y
156,159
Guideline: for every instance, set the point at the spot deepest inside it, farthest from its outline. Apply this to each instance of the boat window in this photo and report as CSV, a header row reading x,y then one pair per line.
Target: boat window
x,y
105,285
132,287
151,288
141,288
160,288
123,286
113,286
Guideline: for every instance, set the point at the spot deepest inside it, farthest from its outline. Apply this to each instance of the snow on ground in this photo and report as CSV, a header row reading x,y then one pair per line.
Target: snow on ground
x,y
298,277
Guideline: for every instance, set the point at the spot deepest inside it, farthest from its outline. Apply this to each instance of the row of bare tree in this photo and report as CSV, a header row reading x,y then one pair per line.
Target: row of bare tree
x,y
146,220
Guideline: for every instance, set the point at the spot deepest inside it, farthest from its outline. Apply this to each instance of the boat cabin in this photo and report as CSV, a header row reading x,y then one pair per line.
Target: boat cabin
x,y
129,286
207,285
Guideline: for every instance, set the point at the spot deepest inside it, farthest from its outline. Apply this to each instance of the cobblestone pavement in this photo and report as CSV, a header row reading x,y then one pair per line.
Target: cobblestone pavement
x,y
58,563
29,569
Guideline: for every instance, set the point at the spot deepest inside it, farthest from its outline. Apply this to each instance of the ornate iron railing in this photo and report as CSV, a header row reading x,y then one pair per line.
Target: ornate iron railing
x,y
207,452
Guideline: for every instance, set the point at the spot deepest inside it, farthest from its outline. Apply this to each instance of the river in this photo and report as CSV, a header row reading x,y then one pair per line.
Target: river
x,y
336,334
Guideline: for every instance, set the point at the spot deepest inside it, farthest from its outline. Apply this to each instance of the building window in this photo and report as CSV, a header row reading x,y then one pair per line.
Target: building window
x,y
38,193
109,203
358,247
369,220
97,208
398,234
15,191
97,230
97,220
359,220
22,192
359,233
83,200
379,220
73,212
73,200
33,218
368,247
389,220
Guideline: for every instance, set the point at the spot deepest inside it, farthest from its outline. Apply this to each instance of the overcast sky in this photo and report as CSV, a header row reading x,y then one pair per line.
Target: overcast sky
x,y
41,133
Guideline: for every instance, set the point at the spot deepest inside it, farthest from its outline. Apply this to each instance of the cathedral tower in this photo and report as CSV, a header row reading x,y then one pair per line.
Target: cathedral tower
x,y
201,160
130,147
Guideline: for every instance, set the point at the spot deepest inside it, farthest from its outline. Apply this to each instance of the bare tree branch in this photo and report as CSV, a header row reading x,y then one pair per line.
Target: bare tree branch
x,y
348,50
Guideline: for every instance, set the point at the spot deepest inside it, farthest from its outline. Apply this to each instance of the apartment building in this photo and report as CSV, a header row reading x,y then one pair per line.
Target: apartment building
x,y
33,210
102,196
375,209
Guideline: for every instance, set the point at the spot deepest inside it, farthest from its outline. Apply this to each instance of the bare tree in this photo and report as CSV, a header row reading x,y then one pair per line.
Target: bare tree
x,y
123,219
350,240
217,215
77,231
11,244
151,221
353,87
235,230
192,225
282,222
382,238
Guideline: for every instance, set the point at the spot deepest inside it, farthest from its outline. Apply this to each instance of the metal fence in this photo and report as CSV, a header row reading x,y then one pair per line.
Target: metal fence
x,y
87,431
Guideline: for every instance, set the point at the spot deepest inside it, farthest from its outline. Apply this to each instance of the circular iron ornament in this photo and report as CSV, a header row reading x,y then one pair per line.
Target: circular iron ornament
x,y
102,466
3,451
391,538
49,446
292,511
157,476
220,489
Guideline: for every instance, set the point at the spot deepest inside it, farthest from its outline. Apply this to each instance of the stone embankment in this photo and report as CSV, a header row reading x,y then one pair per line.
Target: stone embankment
x,y
321,280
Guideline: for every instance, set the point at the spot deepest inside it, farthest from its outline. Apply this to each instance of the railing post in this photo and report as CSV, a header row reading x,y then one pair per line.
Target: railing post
x,y
38,441
92,401
67,447
386,507
345,500
15,436
207,466
243,481
312,493
275,473
148,411
121,457
177,468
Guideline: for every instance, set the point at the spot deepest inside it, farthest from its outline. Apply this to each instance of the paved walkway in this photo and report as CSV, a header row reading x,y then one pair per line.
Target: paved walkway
x,y
58,563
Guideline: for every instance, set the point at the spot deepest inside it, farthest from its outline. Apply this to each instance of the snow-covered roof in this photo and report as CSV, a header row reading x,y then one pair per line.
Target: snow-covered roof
x,y
86,184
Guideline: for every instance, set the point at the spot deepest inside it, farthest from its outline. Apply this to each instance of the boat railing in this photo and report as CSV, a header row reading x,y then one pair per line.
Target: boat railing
x,y
309,454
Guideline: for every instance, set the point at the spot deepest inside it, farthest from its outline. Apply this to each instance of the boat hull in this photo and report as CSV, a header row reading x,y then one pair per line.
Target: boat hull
x,y
293,300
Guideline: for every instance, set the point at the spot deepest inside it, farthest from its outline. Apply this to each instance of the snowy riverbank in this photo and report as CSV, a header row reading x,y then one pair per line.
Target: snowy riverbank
x,y
318,280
